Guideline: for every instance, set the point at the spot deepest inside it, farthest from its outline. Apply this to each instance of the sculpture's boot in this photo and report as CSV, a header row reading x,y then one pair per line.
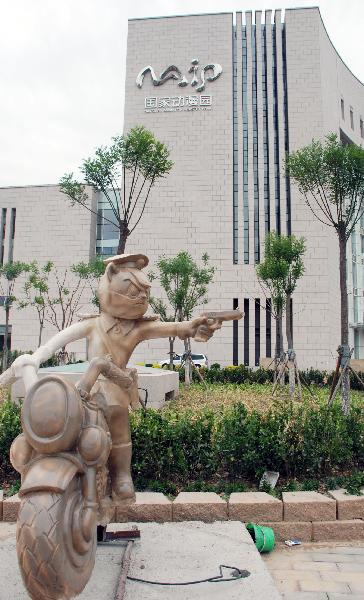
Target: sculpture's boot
x,y
119,466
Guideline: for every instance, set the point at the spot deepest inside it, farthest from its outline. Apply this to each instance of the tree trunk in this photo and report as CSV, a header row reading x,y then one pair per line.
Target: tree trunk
x,y
279,340
123,236
344,317
6,337
187,344
289,334
171,352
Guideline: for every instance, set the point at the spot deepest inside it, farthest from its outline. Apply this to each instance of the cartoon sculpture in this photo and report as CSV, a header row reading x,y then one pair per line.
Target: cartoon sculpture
x,y
74,454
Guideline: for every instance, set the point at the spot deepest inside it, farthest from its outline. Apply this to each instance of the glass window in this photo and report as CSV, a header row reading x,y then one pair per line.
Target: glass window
x,y
351,118
342,109
361,128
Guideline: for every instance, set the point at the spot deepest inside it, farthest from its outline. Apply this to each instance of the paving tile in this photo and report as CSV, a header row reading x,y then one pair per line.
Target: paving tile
x,y
255,507
308,506
291,574
305,596
11,508
347,550
348,506
323,586
352,567
304,565
352,577
328,557
199,506
324,531
345,596
148,506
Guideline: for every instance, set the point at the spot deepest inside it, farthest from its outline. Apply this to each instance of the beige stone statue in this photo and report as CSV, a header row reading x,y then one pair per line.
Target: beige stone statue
x,y
74,437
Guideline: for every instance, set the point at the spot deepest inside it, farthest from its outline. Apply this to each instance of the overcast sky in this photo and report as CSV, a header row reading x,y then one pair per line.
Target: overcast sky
x,y
62,73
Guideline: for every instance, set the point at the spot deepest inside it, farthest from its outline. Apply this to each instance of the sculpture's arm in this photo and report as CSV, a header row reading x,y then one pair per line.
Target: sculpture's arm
x,y
185,329
58,341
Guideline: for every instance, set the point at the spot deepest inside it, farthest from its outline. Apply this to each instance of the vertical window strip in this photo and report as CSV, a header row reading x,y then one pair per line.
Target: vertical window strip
x,y
246,331
255,144
277,186
268,327
265,131
245,148
286,133
257,331
12,234
235,153
235,335
2,233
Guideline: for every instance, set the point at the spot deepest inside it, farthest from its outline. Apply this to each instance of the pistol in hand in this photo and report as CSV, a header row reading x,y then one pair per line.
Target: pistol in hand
x,y
213,320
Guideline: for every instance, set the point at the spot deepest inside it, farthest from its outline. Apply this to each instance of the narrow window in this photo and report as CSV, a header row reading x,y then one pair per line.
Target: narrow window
x,y
246,331
12,234
342,109
235,336
351,117
268,327
257,331
361,128
2,234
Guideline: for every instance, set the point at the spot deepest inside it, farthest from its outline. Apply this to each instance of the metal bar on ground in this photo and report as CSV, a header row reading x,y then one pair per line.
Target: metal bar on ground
x,y
120,590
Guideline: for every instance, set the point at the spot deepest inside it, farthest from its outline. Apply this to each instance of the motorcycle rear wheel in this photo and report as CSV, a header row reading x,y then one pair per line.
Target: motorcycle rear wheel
x,y
52,561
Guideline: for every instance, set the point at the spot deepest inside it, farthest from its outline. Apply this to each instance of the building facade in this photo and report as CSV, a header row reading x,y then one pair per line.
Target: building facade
x,y
229,94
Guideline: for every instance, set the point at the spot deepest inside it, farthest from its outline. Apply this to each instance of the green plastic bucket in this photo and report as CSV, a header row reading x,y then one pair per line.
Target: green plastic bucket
x,y
263,537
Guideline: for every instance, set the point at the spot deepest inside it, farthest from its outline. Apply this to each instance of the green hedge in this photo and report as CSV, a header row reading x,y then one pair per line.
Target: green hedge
x,y
242,374
300,440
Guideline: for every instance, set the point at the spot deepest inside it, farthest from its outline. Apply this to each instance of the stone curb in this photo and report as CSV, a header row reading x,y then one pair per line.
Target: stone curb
x,y
254,506
209,507
308,506
348,506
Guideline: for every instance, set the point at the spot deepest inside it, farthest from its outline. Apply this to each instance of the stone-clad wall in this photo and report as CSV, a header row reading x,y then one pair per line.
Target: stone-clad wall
x,y
46,228
192,208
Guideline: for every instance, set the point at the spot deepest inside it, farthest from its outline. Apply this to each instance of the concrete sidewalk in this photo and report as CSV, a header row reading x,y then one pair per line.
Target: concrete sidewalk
x,y
166,552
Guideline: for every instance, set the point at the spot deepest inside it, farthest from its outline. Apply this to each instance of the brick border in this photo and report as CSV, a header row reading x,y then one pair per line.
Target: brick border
x,y
209,507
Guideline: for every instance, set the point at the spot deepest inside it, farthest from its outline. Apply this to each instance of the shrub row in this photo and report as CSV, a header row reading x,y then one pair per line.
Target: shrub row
x,y
300,440
243,374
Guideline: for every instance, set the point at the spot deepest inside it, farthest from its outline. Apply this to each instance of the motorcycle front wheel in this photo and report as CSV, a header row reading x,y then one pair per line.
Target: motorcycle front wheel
x,y
55,558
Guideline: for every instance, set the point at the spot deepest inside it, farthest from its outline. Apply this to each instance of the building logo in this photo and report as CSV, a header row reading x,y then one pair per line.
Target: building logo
x,y
198,80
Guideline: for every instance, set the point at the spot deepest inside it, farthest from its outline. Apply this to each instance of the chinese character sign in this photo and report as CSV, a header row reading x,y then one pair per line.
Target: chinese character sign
x,y
177,103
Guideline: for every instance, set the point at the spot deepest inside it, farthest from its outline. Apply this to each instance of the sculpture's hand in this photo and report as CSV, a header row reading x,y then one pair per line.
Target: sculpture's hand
x,y
23,361
204,327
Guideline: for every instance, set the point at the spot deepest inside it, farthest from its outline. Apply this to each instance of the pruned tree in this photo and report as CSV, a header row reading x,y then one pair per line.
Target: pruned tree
x,y
35,289
9,273
125,173
279,273
185,284
330,176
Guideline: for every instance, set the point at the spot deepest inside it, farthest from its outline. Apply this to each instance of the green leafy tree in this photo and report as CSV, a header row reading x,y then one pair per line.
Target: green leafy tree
x,y
330,176
125,173
279,273
9,273
35,289
185,284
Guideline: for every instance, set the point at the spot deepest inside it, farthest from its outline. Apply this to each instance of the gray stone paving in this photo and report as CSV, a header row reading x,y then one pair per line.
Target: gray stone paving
x,y
167,552
319,572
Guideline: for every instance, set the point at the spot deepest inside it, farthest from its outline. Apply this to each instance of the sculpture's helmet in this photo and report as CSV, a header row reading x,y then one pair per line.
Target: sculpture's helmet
x,y
124,289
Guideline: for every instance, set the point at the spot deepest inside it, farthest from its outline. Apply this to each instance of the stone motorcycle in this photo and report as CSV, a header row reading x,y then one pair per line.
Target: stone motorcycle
x,y
65,489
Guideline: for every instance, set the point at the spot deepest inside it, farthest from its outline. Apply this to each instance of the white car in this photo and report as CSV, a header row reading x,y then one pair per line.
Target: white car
x,y
200,360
